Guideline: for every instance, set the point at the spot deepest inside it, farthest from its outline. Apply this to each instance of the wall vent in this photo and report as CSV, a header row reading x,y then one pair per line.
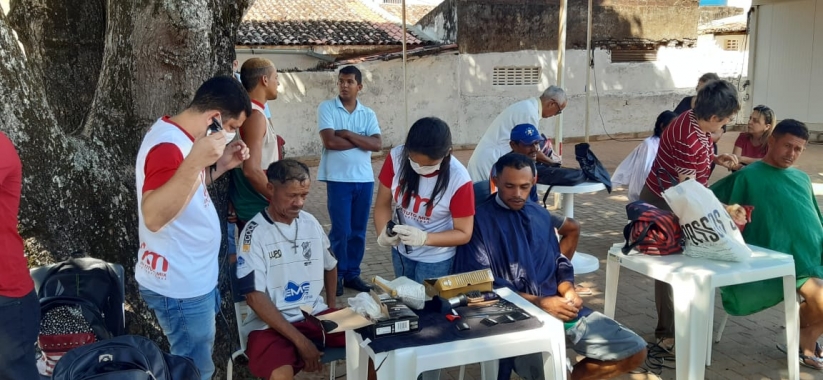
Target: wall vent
x,y
634,55
516,76
731,44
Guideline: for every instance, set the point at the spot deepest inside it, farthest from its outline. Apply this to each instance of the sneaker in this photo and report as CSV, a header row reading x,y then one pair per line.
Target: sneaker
x,y
339,292
357,284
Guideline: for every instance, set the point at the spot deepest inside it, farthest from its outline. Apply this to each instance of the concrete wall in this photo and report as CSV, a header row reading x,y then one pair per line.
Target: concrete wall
x,y
458,89
484,26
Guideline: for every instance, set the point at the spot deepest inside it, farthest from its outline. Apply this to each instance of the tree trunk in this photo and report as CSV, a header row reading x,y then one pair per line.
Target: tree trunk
x,y
95,76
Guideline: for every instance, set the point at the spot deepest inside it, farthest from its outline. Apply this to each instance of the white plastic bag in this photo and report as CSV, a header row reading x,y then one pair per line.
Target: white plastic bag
x,y
364,304
708,229
411,293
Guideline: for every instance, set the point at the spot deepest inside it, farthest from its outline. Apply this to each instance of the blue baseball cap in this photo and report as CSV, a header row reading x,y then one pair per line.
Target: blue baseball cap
x,y
525,133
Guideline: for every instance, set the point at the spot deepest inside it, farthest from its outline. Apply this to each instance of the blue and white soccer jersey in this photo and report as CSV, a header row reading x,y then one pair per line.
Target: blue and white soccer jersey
x,y
290,271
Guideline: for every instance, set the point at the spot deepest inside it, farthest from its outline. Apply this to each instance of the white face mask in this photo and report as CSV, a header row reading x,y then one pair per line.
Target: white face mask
x,y
230,136
424,170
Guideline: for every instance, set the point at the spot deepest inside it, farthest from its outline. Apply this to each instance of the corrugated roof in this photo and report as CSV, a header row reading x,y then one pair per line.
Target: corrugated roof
x,y
313,22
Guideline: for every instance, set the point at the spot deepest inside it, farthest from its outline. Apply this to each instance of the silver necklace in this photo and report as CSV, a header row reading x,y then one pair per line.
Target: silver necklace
x,y
296,230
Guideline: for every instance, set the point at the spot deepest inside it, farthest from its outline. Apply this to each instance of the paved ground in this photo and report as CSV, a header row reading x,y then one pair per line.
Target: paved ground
x,y
747,350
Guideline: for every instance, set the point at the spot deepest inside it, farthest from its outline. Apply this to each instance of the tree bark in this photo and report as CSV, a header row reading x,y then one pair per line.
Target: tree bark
x,y
64,46
94,77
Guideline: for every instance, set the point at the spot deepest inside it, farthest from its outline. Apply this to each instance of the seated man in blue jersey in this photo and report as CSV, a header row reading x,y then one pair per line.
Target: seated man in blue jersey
x,y
509,238
526,140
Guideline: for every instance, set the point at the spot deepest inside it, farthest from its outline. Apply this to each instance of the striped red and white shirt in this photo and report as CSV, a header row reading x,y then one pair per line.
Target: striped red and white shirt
x,y
684,149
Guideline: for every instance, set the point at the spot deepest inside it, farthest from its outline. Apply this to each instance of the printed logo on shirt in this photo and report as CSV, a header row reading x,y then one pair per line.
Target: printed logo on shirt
x,y
247,236
307,252
275,254
296,292
240,261
417,204
153,262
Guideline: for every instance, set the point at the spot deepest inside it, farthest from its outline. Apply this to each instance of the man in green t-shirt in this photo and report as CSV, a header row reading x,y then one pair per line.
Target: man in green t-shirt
x,y
786,218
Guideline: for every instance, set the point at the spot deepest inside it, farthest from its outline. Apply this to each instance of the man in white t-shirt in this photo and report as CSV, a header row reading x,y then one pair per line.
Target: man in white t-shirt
x,y
283,263
495,142
178,225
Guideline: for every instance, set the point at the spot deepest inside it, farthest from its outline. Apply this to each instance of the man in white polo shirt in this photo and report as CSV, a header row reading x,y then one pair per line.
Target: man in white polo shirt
x,y
495,142
178,225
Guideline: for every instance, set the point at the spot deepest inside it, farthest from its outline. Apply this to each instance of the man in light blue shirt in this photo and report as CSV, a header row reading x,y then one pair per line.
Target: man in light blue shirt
x,y
350,133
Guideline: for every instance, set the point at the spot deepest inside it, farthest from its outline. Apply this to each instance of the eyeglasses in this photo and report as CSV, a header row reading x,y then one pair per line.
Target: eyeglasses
x,y
559,110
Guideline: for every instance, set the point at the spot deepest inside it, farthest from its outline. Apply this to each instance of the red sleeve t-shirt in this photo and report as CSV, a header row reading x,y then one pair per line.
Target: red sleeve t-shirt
x,y
161,164
15,281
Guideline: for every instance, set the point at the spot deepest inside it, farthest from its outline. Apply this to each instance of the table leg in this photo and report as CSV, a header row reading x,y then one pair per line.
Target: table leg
x,y
357,360
612,275
567,203
691,303
402,365
489,369
710,320
792,326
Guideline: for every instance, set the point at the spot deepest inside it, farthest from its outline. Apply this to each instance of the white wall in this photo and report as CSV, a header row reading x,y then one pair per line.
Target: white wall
x,y
458,89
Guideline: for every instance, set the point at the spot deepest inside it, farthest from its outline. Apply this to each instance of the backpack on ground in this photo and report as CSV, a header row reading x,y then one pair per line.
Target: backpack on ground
x,y
81,302
126,357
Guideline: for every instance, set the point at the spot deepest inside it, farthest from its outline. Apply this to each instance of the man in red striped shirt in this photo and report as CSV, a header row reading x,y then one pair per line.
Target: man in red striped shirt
x,y
686,153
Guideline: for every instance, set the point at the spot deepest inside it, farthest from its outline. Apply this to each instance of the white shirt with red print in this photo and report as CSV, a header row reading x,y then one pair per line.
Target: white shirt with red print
x,y
179,260
457,201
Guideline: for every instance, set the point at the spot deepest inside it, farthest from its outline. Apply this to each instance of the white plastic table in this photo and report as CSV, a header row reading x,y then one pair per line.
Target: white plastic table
x,y
694,281
408,363
581,262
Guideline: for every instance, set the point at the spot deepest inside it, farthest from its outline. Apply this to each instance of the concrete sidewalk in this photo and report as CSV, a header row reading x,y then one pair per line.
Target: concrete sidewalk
x,y
747,350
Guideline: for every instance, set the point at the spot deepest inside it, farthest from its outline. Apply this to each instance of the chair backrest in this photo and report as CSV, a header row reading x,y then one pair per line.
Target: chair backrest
x,y
241,308
482,190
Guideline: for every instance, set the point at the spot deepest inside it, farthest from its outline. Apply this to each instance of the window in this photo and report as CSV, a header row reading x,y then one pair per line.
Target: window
x,y
392,1
516,76
732,44
634,55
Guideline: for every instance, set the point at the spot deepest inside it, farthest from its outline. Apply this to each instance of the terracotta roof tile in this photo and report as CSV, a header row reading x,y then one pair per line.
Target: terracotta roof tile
x,y
312,22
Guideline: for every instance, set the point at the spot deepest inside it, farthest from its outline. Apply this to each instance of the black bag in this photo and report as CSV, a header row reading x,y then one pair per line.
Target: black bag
x,y
90,283
81,302
591,166
127,357
558,176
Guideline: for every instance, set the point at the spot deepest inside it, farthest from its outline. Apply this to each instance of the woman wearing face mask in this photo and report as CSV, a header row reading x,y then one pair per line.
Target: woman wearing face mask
x,y
430,196
751,146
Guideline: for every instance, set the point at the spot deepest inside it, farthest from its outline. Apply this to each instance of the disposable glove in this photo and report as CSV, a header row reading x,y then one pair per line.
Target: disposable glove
x,y
384,240
411,236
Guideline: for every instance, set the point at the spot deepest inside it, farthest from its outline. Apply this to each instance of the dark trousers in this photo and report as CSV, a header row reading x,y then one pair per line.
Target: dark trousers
x,y
19,327
663,296
349,204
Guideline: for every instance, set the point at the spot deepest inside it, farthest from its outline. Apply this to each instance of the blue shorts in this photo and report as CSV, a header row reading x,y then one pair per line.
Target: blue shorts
x,y
599,337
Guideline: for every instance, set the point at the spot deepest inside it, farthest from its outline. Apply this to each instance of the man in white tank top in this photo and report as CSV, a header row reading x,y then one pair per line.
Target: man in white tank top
x,y
178,225
249,195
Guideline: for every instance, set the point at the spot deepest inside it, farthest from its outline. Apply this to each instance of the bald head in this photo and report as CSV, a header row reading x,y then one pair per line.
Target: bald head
x,y
255,69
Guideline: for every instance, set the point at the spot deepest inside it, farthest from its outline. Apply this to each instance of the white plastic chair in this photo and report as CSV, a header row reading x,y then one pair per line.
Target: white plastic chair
x,y
241,312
